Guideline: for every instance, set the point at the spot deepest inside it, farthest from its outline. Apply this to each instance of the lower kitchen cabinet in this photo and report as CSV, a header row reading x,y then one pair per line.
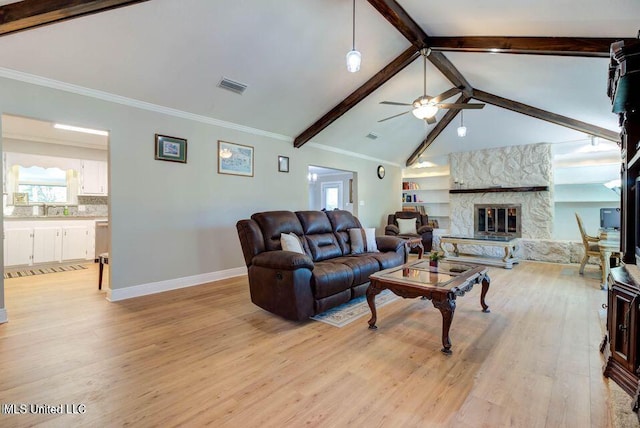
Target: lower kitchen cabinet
x,y
47,244
48,241
18,246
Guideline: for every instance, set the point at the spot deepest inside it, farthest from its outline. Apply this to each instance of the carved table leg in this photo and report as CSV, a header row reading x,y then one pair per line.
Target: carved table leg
x,y
372,291
447,306
486,281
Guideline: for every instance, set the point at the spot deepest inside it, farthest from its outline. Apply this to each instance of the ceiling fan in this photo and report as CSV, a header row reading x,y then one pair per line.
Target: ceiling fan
x,y
426,107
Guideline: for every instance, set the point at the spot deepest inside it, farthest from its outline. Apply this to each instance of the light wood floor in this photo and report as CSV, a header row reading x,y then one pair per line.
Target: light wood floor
x,y
207,356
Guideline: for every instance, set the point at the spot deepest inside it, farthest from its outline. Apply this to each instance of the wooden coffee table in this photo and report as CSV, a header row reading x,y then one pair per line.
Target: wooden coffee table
x,y
441,284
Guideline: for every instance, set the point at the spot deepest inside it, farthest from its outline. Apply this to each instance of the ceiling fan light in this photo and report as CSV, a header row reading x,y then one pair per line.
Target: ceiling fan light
x,y
353,60
462,131
424,111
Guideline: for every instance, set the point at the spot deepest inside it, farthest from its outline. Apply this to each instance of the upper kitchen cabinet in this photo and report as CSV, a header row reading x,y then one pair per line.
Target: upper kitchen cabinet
x,y
93,178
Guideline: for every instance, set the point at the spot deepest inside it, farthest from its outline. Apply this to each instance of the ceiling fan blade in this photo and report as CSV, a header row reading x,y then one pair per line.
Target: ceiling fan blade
x,y
430,120
460,106
446,94
395,115
392,103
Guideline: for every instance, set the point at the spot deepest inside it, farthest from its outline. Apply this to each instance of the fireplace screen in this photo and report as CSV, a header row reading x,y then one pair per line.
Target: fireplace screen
x,y
498,220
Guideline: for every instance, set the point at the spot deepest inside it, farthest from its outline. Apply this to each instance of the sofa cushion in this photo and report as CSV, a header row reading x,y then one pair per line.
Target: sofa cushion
x,y
341,222
323,246
330,278
370,236
275,223
314,222
362,266
389,259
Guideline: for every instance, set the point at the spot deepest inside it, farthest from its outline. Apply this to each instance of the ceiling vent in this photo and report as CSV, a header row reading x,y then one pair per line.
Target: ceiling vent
x,y
372,136
232,86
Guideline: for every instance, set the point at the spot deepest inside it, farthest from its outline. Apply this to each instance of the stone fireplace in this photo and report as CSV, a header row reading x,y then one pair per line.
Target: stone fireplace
x,y
497,220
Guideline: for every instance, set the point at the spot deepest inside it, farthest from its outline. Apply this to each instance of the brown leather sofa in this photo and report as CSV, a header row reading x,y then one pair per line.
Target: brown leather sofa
x,y
297,286
422,229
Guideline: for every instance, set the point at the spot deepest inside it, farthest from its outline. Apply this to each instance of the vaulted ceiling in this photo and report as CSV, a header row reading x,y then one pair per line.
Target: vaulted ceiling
x,y
291,55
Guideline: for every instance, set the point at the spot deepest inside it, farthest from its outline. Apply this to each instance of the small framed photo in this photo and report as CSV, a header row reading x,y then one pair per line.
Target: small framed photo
x,y
170,148
283,164
235,159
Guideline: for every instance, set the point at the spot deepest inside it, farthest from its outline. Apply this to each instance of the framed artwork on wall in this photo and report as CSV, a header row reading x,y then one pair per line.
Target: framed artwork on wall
x,y
170,148
235,159
283,164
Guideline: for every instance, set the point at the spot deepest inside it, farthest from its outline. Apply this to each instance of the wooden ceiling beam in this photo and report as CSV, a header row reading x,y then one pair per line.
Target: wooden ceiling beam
x,y
537,113
393,68
559,46
400,19
435,132
28,14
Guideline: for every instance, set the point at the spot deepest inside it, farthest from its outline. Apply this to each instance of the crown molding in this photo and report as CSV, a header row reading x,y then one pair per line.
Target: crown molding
x,y
130,102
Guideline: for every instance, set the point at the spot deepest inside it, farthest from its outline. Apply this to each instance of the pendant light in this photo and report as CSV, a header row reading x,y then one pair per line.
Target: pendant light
x,y
353,56
462,130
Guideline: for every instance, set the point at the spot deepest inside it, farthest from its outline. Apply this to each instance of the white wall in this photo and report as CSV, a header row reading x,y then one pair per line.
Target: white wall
x,y
171,220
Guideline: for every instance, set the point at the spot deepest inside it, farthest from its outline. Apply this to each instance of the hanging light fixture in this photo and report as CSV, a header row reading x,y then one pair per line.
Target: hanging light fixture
x,y
353,56
424,107
312,177
462,130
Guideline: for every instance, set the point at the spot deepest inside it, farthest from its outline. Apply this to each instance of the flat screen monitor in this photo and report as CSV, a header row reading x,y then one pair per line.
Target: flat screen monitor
x,y
610,218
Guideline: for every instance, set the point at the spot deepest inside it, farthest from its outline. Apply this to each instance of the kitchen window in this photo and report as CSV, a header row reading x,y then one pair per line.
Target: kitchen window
x,y
47,185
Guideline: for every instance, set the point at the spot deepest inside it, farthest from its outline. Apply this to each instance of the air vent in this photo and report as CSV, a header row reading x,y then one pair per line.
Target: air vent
x,y
232,86
372,136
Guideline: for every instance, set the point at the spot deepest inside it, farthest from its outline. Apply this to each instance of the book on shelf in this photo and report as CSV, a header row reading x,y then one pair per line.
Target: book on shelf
x,y
410,185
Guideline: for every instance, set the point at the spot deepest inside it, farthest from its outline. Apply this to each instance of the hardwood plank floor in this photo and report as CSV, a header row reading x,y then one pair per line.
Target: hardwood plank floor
x,y
207,356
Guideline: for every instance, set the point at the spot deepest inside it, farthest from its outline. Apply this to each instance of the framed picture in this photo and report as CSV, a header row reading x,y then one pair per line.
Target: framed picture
x,y
20,198
171,148
283,164
235,159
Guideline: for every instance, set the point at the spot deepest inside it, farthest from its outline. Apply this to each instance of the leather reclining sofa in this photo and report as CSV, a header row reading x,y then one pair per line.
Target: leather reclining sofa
x,y
297,286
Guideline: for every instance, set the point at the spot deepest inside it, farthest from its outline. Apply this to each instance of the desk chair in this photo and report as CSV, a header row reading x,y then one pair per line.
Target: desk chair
x,y
591,248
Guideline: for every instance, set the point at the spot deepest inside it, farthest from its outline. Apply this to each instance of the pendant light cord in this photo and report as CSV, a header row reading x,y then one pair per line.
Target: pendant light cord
x,y
353,45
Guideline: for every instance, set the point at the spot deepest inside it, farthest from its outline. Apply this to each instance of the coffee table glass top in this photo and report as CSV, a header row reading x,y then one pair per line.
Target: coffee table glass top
x,y
421,273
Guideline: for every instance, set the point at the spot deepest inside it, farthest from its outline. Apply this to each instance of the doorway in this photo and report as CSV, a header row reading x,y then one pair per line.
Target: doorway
x,y
331,189
55,189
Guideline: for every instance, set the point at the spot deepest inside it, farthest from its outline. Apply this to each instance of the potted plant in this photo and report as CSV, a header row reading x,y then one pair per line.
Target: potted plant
x,y
434,256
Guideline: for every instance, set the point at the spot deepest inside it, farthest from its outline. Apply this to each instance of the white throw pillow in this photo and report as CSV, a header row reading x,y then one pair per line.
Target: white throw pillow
x,y
290,242
406,225
370,234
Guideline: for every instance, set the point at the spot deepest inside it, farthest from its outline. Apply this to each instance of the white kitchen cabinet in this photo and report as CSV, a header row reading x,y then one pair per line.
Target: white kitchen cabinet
x,y
94,178
29,242
18,246
74,242
47,244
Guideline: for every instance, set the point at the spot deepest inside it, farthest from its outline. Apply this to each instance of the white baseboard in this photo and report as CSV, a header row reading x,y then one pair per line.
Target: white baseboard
x,y
114,295
3,315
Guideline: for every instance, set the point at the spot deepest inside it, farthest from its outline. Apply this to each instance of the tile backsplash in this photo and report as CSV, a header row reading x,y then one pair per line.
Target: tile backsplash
x,y
88,206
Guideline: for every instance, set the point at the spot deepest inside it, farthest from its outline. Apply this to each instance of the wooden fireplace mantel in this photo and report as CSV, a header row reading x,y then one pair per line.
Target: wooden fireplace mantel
x,y
502,189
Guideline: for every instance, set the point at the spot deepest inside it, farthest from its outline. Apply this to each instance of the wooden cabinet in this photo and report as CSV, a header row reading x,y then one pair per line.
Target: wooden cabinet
x,y
623,325
94,178
47,244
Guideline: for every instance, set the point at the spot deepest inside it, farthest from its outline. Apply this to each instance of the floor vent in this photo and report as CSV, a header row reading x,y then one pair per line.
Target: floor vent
x,y
232,86
372,136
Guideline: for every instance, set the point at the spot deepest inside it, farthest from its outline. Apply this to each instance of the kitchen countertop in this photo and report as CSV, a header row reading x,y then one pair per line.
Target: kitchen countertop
x,y
55,217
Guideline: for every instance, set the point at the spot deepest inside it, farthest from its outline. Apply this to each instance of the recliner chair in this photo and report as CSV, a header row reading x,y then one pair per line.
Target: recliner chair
x,y
421,229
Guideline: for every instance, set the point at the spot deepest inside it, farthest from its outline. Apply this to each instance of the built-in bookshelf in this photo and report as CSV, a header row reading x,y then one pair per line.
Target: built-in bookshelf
x,y
427,195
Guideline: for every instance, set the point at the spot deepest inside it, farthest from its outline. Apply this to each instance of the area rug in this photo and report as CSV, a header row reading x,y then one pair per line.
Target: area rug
x,y
621,408
353,309
40,271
